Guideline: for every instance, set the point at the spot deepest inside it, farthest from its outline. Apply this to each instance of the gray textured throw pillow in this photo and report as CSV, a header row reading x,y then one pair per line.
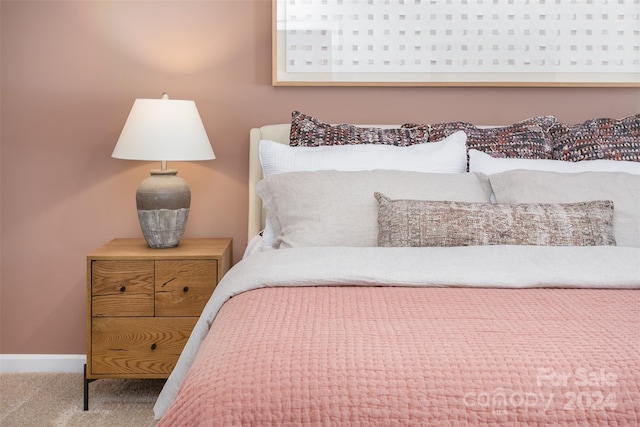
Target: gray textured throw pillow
x,y
436,223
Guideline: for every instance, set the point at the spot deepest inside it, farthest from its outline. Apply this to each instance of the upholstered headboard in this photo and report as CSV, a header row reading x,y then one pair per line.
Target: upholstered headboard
x,y
279,133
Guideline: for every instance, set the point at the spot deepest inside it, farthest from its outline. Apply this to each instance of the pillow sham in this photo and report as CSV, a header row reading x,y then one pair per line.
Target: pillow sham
x,y
336,208
446,156
528,139
308,131
608,139
523,186
485,163
443,223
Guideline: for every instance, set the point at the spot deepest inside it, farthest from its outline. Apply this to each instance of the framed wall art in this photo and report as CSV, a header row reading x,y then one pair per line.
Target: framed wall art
x,y
456,42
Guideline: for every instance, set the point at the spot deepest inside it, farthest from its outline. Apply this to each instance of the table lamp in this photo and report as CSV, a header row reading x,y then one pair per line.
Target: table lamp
x,y
163,130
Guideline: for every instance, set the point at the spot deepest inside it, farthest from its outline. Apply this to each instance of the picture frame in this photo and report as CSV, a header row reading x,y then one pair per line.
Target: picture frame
x,y
583,43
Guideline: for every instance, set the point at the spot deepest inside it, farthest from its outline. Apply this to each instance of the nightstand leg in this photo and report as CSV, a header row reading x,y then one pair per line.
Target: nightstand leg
x,y
86,388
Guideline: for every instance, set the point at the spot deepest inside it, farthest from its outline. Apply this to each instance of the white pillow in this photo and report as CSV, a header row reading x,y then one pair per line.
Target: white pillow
x,y
448,155
483,163
445,156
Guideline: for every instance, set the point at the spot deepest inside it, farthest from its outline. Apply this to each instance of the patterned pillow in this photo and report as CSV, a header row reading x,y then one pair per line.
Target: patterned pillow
x,y
310,132
528,139
608,139
429,223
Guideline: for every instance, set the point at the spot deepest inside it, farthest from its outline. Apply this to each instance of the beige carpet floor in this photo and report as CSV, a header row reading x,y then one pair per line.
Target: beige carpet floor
x,y
46,399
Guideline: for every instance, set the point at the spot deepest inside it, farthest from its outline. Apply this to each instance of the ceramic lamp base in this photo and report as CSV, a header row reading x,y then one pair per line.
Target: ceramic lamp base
x,y
163,201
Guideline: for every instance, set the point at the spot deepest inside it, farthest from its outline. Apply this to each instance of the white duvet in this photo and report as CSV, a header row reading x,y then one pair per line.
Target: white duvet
x,y
474,266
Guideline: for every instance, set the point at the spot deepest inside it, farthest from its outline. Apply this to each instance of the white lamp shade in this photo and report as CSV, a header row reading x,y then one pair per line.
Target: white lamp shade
x,y
162,130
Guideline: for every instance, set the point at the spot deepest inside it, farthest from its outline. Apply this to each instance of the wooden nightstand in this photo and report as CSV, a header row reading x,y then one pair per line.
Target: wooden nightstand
x,y
143,303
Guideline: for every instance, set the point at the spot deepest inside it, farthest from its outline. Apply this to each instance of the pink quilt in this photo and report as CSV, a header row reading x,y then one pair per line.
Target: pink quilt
x,y
417,356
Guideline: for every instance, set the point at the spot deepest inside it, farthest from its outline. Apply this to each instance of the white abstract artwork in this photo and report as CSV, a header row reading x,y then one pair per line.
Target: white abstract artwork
x,y
458,41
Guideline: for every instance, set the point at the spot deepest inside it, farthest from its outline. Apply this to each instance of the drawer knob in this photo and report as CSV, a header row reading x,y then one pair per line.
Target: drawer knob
x,y
153,346
123,288
185,289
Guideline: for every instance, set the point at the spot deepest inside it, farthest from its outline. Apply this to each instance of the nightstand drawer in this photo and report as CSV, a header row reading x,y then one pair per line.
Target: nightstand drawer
x,y
142,346
183,287
122,288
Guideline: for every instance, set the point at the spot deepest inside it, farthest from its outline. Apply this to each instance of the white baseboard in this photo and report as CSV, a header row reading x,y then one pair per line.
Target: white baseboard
x,y
20,363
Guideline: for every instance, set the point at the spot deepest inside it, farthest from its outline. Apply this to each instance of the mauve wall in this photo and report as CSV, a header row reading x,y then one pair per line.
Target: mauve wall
x,y
70,73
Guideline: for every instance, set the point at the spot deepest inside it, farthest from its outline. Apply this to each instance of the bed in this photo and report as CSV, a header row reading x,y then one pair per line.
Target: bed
x,y
373,295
